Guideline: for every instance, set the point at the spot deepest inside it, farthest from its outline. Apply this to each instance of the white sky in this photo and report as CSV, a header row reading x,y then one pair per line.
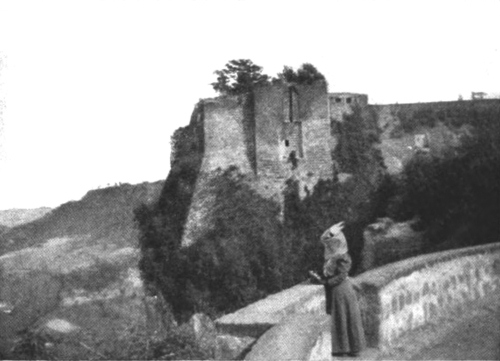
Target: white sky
x,y
91,91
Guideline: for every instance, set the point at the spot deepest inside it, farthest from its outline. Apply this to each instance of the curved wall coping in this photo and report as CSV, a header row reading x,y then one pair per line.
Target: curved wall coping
x,y
408,294
257,317
394,298
383,275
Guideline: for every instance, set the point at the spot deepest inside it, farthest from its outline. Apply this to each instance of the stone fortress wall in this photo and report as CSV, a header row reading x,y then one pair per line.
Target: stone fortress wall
x,y
411,293
394,300
279,132
275,133
257,132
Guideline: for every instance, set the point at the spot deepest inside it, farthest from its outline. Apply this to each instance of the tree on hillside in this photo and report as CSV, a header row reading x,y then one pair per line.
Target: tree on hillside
x,y
455,195
238,77
306,74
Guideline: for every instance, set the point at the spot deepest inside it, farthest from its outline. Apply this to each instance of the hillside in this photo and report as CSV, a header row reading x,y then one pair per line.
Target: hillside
x,y
17,216
101,214
3,229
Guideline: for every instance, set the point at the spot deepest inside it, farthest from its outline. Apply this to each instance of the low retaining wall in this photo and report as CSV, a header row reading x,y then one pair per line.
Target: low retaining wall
x,y
408,294
394,299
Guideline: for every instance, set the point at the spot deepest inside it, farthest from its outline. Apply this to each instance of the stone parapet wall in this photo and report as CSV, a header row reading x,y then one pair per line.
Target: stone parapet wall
x,y
239,330
394,300
405,295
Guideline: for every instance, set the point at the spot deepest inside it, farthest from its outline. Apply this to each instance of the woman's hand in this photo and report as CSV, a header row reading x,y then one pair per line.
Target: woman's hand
x,y
316,278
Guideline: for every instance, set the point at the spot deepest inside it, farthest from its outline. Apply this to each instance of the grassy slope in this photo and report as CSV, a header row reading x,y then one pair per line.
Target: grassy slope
x,y
15,217
3,228
103,213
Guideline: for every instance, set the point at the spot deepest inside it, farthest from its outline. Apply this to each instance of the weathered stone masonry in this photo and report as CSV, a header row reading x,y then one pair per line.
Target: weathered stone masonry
x,y
271,135
443,286
280,131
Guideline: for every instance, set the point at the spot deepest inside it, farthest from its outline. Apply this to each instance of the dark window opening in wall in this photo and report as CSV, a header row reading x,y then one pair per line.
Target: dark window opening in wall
x,y
292,158
287,143
348,100
338,100
293,105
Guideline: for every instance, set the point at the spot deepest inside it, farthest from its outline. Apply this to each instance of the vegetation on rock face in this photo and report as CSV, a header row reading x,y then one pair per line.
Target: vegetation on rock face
x,y
456,116
249,253
254,248
357,135
455,196
234,265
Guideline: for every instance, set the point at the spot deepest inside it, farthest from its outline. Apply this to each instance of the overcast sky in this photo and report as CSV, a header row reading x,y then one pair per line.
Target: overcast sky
x,y
91,91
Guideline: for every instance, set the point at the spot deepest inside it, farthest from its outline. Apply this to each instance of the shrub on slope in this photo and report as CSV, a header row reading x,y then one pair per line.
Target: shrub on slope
x,y
233,265
249,252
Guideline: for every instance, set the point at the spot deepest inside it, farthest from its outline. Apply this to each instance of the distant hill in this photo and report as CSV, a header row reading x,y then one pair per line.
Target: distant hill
x,y
102,214
17,216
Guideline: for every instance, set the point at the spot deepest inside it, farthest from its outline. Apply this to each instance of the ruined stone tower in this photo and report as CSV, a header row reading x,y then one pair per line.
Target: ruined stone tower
x,y
277,132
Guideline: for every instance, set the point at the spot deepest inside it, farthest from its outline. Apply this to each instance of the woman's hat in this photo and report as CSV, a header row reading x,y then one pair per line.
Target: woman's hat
x,y
334,241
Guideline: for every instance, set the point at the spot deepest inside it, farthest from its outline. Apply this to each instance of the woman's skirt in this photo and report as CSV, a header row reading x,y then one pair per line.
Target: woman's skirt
x,y
347,329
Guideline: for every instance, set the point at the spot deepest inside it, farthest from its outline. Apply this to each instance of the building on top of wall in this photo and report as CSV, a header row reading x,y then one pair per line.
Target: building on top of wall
x,y
478,95
342,103
348,98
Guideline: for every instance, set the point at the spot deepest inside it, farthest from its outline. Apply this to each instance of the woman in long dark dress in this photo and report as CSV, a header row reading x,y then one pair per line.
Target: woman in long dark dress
x,y
348,336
